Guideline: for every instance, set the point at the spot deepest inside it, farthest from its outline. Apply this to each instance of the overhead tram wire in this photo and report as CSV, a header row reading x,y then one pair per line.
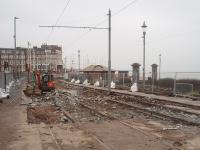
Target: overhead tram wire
x,y
59,17
101,22
68,2
74,27
84,34
124,8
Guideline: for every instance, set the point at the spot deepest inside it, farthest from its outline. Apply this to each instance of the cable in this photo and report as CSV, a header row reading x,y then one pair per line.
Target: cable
x,y
79,38
59,17
62,12
76,27
125,7
84,34
101,22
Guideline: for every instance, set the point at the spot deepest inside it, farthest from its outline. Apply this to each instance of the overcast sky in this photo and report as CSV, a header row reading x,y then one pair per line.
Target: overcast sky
x,y
173,30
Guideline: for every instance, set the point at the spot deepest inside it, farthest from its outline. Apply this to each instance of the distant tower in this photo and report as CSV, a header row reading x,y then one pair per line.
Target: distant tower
x,y
136,72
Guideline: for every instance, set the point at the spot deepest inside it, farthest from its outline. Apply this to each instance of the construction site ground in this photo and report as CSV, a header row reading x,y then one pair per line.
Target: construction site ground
x,y
159,97
61,120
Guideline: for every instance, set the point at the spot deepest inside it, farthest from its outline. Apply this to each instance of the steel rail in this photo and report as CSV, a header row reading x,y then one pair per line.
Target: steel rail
x,y
157,114
130,94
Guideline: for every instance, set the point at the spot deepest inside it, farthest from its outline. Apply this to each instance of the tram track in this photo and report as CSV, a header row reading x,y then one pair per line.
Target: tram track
x,y
177,111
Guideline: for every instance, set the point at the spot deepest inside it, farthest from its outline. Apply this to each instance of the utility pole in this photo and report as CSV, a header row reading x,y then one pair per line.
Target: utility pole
x,y
28,65
45,66
30,56
15,44
79,64
65,63
5,80
15,37
109,51
109,42
159,65
175,76
65,73
5,70
34,62
153,80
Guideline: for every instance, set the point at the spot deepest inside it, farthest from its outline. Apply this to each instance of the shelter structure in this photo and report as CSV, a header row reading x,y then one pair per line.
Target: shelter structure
x,y
97,73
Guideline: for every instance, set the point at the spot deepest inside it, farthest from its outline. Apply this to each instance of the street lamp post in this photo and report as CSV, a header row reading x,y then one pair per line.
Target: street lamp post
x,y
109,51
144,26
15,42
15,18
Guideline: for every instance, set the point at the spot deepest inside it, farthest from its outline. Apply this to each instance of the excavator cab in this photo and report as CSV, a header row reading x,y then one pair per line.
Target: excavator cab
x,y
47,83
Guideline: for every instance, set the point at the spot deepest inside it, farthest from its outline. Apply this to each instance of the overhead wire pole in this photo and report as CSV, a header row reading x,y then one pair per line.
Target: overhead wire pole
x,y
159,71
159,66
109,42
78,64
15,44
28,67
15,18
114,14
109,51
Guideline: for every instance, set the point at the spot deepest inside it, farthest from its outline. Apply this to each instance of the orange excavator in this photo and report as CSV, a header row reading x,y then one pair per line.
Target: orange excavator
x,y
45,82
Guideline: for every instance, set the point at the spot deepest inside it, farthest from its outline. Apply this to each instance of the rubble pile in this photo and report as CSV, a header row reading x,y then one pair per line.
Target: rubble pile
x,y
59,106
47,108
100,102
87,105
104,103
92,92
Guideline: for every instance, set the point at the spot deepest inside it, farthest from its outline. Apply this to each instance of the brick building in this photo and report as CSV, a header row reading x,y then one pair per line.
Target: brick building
x,y
47,57
44,58
16,59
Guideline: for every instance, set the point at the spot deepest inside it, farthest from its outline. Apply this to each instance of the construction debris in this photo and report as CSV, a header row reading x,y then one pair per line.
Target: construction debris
x,y
45,114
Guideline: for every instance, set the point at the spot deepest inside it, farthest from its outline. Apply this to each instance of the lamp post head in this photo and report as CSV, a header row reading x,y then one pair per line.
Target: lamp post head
x,y
16,18
144,26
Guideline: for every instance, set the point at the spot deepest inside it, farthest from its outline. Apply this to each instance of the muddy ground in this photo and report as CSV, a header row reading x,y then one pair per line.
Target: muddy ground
x,y
58,122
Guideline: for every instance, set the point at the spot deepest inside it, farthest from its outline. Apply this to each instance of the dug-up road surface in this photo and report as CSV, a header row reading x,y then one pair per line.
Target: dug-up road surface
x,y
17,134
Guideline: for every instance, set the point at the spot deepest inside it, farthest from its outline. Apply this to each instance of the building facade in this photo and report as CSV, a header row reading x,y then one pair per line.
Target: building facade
x,y
16,59
47,57
97,73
